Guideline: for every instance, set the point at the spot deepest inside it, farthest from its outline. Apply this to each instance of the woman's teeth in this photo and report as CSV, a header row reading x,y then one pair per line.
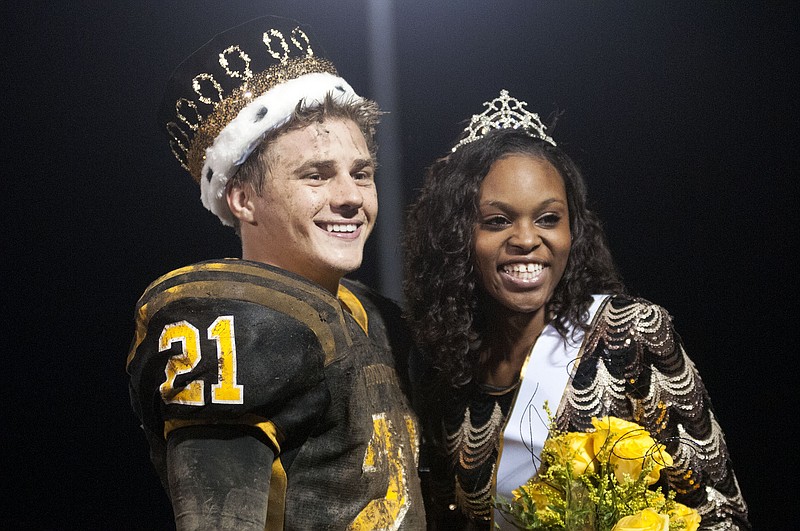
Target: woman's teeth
x,y
523,271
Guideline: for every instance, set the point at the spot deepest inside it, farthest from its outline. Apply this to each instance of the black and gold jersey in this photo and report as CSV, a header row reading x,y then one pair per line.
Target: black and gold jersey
x,y
320,378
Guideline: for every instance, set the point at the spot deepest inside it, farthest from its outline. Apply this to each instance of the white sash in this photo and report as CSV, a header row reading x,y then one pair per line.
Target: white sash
x,y
544,377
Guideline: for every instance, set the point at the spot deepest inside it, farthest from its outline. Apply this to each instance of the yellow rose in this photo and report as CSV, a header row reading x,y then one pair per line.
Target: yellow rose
x,y
630,446
575,448
646,520
689,517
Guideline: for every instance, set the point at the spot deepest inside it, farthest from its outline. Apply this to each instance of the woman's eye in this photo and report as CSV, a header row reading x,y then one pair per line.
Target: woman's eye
x,y
495,222
549,220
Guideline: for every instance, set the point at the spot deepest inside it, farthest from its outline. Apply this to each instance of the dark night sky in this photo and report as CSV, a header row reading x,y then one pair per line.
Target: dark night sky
x,y
678,113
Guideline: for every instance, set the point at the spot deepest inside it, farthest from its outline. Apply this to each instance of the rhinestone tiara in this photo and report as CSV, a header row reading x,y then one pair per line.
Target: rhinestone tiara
x,y
503,112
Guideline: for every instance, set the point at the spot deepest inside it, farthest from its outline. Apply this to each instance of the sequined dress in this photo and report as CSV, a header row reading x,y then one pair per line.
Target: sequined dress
x,y
632,365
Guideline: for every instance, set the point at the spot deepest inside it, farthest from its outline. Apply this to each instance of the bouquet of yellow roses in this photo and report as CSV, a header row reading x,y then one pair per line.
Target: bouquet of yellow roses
x,y
598,481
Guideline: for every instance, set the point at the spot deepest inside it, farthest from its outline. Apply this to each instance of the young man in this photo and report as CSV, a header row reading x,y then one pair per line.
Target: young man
x,y
270,389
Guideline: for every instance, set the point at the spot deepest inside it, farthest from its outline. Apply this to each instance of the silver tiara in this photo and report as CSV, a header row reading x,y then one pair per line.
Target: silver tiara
x,y
504,112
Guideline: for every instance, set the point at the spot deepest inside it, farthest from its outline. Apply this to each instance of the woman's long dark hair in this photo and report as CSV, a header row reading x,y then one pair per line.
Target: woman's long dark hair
x,y
442,289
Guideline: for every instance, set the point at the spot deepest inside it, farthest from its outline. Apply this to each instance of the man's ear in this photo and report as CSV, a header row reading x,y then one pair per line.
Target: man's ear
x,y
240,202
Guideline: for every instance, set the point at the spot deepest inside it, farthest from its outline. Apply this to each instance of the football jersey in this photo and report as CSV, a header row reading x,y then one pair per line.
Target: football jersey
x,y
238,342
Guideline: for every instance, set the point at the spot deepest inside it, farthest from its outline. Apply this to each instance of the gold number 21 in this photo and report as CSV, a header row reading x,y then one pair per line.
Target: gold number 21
x,y
226,390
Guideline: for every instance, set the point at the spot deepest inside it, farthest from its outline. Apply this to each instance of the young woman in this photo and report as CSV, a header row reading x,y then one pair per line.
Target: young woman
x,y
515,301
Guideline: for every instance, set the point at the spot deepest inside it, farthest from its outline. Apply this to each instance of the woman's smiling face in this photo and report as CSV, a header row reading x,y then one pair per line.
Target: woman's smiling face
x,y
522,235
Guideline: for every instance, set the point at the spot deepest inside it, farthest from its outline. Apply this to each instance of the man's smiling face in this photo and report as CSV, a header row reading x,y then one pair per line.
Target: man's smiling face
x,y
318,204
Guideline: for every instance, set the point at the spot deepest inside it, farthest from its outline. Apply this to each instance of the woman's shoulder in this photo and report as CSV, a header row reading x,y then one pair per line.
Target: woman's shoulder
x,y
626,308
626,319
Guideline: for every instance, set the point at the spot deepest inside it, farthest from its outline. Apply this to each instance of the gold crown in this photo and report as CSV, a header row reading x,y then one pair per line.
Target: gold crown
x,y
504,112
226,108
246,81
225,93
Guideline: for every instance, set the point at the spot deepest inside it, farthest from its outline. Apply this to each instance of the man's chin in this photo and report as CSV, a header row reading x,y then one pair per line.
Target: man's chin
x,y
338,268
349,268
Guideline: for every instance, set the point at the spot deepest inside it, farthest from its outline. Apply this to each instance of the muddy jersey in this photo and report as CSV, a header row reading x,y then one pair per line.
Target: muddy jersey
x,y
317,376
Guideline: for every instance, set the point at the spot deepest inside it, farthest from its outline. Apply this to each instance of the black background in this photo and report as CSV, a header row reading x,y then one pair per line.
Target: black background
x,y
678,112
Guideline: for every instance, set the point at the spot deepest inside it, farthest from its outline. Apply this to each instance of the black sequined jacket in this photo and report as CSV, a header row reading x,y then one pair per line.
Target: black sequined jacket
x,y
633,367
